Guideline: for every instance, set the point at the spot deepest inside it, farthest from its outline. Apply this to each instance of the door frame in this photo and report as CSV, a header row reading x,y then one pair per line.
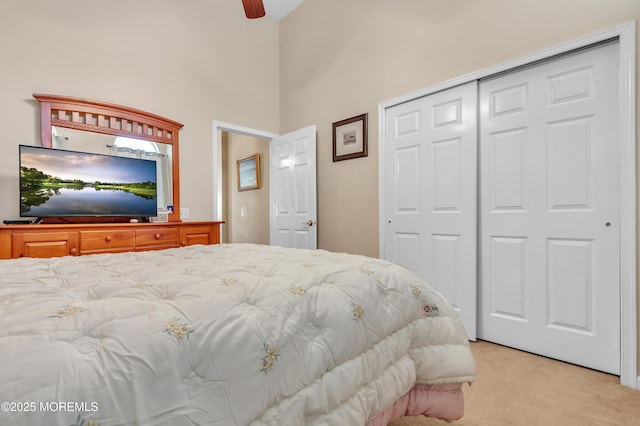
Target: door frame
x,y
626,36
217,159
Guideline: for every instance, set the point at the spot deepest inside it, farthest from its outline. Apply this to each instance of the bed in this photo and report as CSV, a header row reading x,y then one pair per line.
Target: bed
x,y
234,334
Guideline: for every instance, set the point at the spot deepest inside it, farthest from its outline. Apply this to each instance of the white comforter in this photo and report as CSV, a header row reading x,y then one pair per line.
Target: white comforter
x,y
218,335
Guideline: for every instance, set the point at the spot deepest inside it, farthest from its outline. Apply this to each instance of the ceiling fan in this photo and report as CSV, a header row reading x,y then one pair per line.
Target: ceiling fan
x,y
253,8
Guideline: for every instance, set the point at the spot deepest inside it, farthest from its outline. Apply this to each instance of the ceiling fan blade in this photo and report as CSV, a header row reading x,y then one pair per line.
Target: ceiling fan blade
x,y
253,8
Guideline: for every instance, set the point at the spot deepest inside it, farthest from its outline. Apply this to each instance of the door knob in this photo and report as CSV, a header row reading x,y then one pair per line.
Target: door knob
x,y
309,223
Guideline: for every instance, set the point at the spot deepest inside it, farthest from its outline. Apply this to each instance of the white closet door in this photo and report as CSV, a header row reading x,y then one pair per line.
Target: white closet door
x,y
431,187
550,208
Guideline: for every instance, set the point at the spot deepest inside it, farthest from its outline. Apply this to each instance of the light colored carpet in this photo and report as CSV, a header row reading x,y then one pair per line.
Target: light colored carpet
x,y
517,388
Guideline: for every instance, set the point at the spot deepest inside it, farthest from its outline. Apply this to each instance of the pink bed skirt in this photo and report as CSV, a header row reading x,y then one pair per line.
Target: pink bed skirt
x,y
445,401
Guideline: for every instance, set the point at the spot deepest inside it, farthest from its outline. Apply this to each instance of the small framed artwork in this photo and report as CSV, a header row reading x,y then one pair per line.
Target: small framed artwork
x,y
249,173
350,138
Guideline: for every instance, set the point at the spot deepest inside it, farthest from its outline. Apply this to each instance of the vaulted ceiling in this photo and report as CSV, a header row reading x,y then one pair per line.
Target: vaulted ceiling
x,y
278,9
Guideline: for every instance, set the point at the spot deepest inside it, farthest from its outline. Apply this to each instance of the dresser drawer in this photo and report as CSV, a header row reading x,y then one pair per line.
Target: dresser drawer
x,y
190,235
157,237
44,244
106,240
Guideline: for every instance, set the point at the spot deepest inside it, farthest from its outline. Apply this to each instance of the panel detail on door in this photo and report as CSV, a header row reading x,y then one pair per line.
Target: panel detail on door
x,y
407,123
508,277
302,204
447,114
446,262
507,169
446,174
570,285
407,169
407,246
570,159
571,85
282,188
509,100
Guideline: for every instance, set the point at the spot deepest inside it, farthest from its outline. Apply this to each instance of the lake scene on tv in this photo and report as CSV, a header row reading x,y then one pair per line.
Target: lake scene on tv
x,y
58,183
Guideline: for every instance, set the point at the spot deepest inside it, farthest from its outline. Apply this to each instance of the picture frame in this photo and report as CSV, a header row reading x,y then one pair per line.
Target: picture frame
x,y
248,170
350,138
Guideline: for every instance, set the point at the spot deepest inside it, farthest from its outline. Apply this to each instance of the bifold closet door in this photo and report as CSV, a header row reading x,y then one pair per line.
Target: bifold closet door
x,y
549,236
431,193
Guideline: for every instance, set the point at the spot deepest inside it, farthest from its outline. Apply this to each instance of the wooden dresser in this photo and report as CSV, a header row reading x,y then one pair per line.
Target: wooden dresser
x,y
77,239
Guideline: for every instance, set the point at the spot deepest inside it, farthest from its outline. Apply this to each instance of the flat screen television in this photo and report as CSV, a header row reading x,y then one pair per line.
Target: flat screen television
x,y
61,183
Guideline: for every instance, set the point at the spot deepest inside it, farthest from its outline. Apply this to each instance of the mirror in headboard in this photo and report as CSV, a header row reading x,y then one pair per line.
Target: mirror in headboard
x,y
104,128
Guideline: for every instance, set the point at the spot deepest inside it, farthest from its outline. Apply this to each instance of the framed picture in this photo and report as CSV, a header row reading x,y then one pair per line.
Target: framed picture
x,y
249,173
350,138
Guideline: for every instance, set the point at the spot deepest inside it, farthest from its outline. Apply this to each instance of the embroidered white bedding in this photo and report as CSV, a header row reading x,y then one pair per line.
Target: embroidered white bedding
x,y
223,335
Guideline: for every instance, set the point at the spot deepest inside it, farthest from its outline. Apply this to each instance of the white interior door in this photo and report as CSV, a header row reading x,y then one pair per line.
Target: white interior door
x,y
293,189
550,208
431,187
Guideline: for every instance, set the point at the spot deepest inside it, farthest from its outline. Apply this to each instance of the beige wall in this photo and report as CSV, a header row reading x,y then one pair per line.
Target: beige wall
x,y
342,58
247,212
191,63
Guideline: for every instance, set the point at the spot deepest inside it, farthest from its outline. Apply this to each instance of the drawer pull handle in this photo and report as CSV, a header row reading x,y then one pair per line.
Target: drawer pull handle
x,y
73,251
158,236
107,238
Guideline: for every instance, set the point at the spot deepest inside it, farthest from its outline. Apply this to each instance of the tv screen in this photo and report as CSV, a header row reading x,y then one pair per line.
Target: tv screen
x,y
59,183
